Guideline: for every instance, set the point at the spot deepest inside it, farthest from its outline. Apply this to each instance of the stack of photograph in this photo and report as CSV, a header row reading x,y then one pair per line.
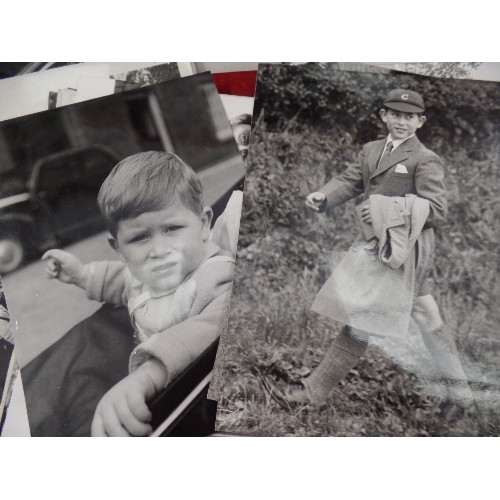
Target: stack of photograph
x,y
179,260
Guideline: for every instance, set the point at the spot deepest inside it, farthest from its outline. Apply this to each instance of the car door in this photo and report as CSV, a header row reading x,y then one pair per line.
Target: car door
x,y
64,188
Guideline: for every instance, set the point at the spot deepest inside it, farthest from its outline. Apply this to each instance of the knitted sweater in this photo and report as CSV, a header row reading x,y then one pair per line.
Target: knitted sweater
x,y
175,328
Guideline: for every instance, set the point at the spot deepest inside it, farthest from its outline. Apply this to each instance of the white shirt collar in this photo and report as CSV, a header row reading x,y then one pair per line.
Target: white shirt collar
x,y
396,142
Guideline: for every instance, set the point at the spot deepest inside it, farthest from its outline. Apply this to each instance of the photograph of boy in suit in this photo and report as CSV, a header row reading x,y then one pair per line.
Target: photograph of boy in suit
x,y
364,298
397,166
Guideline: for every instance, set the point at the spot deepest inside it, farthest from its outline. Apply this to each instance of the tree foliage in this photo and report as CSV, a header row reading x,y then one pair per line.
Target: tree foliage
x,y
459,112
440,69
153,74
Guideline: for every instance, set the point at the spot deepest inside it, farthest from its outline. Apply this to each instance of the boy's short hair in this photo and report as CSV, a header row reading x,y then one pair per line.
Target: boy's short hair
x,y
147,182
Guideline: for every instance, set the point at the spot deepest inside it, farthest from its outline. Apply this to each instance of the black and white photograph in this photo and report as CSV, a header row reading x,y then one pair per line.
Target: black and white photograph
x,y
36,89
12,69
365,296
489,71
118,227
8,364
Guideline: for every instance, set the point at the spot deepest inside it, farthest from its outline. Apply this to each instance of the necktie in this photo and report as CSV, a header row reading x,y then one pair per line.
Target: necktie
x,y
386,153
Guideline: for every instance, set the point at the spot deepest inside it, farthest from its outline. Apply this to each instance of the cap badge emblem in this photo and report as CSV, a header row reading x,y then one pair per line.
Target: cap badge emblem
x,y
405,97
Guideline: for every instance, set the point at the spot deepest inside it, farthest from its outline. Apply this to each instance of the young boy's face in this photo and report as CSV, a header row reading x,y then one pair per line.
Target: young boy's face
x,y
162,248
401,125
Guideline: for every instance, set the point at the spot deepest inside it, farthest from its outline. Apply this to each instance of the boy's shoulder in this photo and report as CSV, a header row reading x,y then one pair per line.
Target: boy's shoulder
x,y
216,270
213,279
426,154
417,146
217,267
371,144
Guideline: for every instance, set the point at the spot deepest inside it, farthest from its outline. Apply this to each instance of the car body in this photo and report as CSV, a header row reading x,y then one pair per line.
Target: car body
x,y
57,205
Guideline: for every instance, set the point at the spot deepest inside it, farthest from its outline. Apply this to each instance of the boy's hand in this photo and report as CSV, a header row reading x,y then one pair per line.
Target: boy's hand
x,y
365,214
123,410
64,266
316,201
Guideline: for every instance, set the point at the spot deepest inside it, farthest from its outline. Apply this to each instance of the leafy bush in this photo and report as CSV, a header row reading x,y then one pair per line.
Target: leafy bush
x,y
462,112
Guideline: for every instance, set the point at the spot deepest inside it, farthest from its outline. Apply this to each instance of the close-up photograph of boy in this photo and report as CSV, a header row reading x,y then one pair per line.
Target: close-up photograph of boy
x,y
169,272
124,255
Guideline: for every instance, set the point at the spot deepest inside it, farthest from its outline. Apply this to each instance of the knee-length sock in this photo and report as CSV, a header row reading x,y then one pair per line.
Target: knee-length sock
x,y
344,353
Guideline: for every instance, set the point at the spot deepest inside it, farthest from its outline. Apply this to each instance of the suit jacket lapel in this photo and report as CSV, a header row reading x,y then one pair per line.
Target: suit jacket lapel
x,y
375,155
399,155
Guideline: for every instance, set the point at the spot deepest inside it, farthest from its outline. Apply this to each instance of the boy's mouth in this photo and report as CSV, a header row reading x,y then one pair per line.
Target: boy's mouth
x,y
161,268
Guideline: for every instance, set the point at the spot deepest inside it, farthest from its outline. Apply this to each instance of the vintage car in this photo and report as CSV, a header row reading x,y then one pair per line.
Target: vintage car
x,y
57,205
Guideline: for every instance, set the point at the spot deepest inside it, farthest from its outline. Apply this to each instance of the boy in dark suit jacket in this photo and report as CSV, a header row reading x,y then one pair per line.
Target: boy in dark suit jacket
x,y
396,166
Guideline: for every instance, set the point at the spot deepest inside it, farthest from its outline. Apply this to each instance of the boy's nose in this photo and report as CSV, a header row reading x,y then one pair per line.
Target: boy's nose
x,y
159,247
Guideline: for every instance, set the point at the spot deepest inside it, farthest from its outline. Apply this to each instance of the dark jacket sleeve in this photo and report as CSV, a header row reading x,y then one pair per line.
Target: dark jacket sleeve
x,y
345,186
429,184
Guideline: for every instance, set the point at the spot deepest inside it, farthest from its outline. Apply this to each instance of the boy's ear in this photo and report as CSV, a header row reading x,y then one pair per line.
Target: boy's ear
x,y
421,120
114,245
206,222
382,114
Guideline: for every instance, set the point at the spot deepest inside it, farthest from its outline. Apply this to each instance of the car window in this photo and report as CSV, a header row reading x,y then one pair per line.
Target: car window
x,y
86,168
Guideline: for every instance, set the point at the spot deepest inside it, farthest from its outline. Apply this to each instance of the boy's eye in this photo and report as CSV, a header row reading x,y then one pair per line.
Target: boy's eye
x,y
171,229
138,238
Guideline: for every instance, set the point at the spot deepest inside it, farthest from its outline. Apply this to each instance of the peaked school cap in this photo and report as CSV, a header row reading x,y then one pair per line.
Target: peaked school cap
x,y
406,101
